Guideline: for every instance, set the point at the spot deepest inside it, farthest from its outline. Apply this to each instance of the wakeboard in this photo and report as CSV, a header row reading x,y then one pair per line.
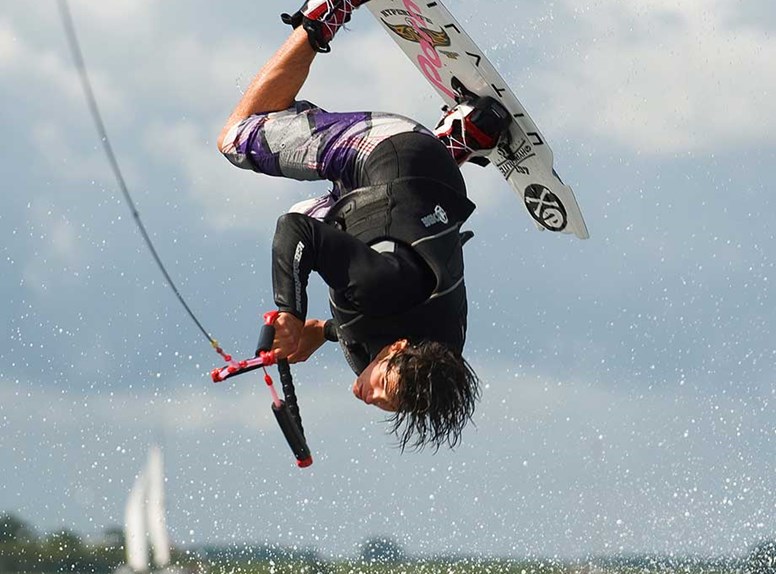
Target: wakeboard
x,y
456,67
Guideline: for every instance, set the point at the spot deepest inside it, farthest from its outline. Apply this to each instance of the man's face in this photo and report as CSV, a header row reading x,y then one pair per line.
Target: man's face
x,y
375,385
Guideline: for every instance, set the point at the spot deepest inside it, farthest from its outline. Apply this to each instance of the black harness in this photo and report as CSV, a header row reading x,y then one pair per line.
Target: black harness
x,y
425,215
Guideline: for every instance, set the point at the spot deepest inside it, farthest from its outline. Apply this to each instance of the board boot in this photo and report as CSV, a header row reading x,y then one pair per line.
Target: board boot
x,y
473,128
321,19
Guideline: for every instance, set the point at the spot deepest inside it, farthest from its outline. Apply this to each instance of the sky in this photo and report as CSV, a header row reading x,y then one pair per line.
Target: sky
x,y
628,379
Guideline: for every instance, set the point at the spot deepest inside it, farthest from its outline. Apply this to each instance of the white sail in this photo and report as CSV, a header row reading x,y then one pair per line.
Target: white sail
x,y
157,524
136,540
144,519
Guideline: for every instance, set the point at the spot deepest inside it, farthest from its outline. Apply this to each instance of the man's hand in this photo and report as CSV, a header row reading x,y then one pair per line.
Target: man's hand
x,y
311,340
288,332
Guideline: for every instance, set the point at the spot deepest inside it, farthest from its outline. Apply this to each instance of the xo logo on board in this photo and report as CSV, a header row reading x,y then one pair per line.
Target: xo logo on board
x,y
545,207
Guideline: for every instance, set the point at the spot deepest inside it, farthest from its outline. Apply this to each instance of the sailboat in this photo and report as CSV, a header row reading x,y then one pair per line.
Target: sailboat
x,y
144,521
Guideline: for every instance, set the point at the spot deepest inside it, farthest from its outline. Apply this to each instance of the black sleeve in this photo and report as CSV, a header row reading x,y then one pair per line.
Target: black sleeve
x,y
373,283
330,331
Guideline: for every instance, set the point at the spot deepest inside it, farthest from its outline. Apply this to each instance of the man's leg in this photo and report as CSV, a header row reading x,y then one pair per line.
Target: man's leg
x,y
277,84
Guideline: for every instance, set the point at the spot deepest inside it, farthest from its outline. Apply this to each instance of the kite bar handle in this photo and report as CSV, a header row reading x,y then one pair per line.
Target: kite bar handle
x,y
287,415
266,337
289,392
287,411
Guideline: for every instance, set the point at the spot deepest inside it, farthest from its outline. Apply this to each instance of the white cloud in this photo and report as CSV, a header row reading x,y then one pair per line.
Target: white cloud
x,y
118,14
78,162
229,197
9,47
179,405
663,77
44,71
64,239
343,81
61,253
185,408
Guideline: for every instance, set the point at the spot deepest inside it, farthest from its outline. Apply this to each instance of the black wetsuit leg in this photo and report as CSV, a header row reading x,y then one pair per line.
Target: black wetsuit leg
x,y
411,154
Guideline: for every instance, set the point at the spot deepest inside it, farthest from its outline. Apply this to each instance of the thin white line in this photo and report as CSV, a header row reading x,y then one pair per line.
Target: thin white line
x,y
348,311
443,293
451,230
297,279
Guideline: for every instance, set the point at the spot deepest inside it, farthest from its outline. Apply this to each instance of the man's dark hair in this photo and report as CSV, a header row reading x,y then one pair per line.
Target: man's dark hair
x,y
436,395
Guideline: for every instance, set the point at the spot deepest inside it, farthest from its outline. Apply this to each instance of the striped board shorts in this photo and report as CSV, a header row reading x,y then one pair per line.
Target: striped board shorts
x,y
307,143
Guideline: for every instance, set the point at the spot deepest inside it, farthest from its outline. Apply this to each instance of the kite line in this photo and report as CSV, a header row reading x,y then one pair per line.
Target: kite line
x,y
91,100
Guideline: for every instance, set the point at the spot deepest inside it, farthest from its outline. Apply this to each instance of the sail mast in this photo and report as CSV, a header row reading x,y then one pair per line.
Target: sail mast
x,y
135,526
157,523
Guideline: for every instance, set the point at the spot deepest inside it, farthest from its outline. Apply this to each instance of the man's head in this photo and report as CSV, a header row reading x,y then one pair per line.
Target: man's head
x,y
430,388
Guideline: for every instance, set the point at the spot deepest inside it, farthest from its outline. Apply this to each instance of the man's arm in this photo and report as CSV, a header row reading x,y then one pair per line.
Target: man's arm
x,y
311,338
373,283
